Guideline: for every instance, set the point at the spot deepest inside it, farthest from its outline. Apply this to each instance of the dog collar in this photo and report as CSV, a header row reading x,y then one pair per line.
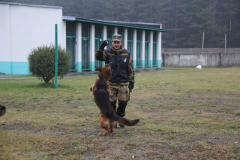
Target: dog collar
x,y
104,79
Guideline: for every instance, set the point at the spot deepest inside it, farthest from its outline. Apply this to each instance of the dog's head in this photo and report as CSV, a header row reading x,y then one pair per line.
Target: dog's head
x,y
105,72
2,110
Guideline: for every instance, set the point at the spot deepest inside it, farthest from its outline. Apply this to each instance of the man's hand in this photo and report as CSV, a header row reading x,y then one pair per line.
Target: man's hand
x,y
131,85
104,43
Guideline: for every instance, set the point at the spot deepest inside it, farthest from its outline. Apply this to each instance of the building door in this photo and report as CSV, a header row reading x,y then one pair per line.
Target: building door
x,y
139,48
85,53
86,46
71,44
109,35
98,42
147,49
155,49
121,31
139,51
130,42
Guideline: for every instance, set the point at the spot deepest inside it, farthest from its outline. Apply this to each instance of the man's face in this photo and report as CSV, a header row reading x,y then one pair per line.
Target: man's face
x,y
116,44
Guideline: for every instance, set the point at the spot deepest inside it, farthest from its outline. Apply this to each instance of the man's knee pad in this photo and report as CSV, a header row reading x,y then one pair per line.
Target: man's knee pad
x,y
121,108
122,103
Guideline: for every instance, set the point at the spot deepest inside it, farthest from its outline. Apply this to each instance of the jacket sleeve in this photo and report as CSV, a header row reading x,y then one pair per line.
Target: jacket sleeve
x,y
100,55
131,73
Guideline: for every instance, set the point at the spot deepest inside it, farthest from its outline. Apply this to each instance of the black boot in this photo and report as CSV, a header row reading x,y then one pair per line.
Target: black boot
x,y
121,110
121,125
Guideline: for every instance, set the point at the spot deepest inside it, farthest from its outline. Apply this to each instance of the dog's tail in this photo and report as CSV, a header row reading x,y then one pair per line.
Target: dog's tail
x,y
121,120
2,110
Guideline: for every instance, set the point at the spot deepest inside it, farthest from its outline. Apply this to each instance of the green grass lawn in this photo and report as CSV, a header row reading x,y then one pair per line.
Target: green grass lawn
x,y
185,113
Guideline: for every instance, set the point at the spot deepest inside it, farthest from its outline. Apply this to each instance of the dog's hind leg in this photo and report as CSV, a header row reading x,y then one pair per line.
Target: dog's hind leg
x,y
112,123
104,123
106,131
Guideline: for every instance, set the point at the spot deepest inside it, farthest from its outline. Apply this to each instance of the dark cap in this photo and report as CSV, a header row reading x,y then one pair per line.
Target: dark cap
x,y
117,37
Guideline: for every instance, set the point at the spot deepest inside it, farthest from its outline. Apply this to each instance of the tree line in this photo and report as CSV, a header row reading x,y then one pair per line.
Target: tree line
x,y
186,20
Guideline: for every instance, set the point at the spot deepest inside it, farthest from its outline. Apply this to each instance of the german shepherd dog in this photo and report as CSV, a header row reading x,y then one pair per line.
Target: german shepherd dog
x,y
2,110
101,91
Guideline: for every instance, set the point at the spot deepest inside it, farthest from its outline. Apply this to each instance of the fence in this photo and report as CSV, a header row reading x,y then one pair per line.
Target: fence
x,y
211,57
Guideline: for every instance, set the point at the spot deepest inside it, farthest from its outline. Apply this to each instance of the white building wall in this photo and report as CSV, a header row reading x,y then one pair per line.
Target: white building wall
x,y
92,47
134,48
115,30
143,49
25,28
79,47
5,32
151,49
125,38
159,49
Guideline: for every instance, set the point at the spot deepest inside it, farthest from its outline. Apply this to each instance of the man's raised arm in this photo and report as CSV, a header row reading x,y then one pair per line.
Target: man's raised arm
x,y
100,54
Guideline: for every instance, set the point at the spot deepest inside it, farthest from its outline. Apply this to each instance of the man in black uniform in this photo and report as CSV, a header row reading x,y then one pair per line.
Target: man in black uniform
x,y
122,72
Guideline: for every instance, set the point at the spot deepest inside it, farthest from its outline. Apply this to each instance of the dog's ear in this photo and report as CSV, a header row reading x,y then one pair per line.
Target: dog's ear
x,y
99,69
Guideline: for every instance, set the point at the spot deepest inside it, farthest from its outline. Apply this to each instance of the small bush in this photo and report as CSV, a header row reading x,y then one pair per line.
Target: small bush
x,y
42,62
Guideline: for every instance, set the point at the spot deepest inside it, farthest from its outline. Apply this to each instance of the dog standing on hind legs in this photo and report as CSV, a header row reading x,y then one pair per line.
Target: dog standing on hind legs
x,y
101,91
2,110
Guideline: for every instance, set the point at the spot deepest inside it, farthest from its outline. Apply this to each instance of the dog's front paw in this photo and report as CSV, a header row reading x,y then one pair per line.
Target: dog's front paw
x,y
91,89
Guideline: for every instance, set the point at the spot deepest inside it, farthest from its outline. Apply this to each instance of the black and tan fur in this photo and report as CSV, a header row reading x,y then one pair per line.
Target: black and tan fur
x,y
2,110
101,91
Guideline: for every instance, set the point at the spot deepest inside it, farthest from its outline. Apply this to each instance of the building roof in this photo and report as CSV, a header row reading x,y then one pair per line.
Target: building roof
x,y
136,25
31,5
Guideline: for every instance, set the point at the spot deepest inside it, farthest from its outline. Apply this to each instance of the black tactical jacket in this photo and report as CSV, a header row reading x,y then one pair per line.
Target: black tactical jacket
x,y
119,64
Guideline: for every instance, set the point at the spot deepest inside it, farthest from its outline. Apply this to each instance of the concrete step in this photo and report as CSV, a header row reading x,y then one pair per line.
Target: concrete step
x,y
153,69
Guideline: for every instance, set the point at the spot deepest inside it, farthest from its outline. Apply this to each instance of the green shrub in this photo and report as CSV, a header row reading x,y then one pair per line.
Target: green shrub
x,y
42,62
